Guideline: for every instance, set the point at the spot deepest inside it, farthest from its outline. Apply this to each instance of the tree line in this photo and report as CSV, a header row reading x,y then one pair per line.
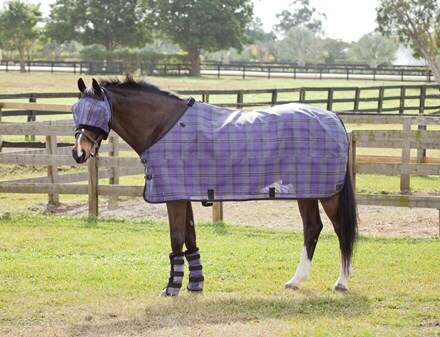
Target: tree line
x,y
220,30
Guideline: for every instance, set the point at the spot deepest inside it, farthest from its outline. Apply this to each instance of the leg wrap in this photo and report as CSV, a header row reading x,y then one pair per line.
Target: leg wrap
x,y
176,275
195,270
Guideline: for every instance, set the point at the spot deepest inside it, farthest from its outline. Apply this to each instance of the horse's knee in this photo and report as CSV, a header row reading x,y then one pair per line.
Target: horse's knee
x,y
177,241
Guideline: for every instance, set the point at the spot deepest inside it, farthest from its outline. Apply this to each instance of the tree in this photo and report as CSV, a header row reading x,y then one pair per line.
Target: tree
x,y
109,23
374,49
209,25
416,23
302,16
300,45
335,51
18,27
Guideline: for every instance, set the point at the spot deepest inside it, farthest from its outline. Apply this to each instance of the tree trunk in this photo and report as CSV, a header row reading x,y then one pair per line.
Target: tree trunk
x,y
435,68
194,58
22,60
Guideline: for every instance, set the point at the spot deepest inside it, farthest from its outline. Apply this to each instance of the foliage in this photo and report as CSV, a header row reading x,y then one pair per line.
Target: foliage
x,y
18,27
303,16
374,49
69,276
131,59
300,45
415,22
208,25
335,51
112,24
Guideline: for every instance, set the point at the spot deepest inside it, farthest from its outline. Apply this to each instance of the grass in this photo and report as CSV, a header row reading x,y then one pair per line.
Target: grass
x,y
69,276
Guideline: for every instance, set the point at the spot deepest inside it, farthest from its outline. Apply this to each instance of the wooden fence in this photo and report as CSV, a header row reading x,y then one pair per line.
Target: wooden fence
x,y
406,99
111,165
241,69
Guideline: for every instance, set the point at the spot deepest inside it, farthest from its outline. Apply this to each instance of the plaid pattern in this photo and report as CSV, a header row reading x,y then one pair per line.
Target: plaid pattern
x,y
89,111
290,151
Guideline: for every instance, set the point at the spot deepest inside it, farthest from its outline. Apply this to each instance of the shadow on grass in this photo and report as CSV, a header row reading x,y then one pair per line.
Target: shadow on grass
x,y
185,311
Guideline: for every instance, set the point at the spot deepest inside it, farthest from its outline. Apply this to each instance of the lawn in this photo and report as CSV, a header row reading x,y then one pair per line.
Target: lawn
x,y
64,276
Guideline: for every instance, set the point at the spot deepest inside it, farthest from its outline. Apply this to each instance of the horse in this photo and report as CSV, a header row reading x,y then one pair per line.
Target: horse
x,y
143,115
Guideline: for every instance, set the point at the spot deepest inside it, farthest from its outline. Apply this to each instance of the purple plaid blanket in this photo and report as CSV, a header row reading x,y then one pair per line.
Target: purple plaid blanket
x,y
291,151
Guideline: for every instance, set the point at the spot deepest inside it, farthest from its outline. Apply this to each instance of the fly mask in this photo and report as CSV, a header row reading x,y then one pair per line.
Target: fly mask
x,y
92,118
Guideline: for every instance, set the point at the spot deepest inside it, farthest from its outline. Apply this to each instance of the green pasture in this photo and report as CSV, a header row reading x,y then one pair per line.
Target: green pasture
x,y
65,276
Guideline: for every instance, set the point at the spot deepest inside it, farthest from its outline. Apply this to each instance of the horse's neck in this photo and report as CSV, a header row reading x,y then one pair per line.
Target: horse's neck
x,y
142,118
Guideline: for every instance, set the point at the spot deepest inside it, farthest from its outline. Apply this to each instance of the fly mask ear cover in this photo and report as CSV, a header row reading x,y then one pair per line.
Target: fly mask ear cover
x,y
93,114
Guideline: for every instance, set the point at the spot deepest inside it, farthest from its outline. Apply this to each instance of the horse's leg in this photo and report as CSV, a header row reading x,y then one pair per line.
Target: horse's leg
x,y
192,253
331,208
177,219
312,227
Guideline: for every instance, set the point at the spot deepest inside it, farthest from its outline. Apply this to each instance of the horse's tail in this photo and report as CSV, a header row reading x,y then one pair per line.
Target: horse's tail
x,y
348,220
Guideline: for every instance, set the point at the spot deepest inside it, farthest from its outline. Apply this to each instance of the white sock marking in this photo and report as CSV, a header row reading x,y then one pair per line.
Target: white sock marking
x,y
302,272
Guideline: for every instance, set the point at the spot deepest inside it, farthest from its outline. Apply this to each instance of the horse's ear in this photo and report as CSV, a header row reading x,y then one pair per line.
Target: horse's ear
x,y
96,88
81,85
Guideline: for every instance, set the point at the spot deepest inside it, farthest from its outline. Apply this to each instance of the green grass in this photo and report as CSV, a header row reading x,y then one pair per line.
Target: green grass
x,y
72,276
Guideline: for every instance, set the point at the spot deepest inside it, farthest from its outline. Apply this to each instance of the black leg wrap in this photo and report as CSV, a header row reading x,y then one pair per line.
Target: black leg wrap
x,y
196,278
176,275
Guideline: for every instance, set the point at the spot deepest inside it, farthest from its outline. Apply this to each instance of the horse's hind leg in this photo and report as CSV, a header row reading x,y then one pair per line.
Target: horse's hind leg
x,y
192,253
312,227
331,208
177,220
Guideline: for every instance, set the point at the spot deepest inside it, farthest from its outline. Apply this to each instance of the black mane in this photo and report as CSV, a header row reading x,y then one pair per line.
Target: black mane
x,y
132,84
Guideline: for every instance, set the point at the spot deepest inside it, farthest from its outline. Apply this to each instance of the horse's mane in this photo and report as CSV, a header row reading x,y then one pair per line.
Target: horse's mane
x,y
132,84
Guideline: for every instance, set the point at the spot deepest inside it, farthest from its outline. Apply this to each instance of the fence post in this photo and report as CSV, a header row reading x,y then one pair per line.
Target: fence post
x,y
330,99
114,152
239,99
380,100
274,96
352,158
421,152
31,118
302,95
1,136
406,156
217,211
244,72
357,95
52,170
93,186
402,100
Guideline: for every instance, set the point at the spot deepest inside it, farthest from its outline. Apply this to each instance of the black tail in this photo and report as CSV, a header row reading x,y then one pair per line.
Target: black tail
x,y
348,220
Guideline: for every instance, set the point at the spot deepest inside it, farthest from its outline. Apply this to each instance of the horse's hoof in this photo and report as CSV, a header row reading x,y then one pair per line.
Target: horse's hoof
x,y
341,287
293,286
169,292
195,291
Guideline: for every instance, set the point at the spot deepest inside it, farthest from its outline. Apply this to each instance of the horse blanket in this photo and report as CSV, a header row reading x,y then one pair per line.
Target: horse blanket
x,y
290,151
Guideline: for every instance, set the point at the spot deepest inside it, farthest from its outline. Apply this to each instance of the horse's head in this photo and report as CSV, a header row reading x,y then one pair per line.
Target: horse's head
x,y
92,117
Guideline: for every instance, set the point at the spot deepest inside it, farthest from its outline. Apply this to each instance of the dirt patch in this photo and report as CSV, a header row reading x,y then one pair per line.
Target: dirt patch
x,y
374,220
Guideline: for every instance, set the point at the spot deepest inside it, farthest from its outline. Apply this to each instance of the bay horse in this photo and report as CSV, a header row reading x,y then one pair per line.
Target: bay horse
x,y
143,115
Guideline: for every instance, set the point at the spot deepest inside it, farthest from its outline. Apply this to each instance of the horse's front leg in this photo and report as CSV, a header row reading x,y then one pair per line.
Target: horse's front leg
x,y
177,220
192,254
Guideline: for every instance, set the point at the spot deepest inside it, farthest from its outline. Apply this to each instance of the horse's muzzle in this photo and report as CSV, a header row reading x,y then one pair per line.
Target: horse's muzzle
x,y
79,159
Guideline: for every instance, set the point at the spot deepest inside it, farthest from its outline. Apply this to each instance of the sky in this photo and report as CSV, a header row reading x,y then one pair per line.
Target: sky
x,y
347,20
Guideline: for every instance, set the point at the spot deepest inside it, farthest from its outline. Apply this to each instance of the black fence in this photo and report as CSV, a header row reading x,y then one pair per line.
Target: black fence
x,y
395,99
243,69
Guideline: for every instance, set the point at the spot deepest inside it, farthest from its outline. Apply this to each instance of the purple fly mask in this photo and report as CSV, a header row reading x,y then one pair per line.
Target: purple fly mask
x,y
91,113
